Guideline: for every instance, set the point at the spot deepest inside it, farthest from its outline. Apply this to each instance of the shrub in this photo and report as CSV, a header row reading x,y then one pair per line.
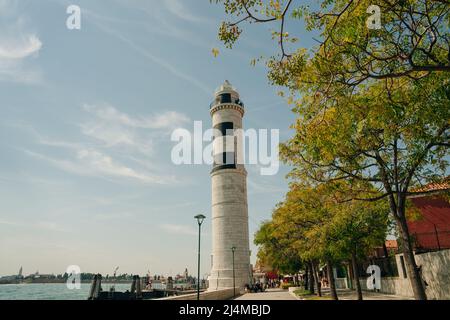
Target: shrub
x,y
302,292
287,285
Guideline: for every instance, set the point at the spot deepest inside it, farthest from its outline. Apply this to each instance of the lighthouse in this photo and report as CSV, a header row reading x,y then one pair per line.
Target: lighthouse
x,y
230,235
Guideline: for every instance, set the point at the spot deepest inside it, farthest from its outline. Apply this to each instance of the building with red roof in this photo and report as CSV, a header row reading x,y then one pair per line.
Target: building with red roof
x,y
431,229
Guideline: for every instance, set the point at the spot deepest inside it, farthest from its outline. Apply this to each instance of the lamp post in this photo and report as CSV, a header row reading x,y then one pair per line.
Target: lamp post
x,y
200,218
233,249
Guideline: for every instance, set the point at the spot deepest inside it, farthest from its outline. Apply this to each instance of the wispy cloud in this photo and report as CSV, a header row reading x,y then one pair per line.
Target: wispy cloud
x,y
262,187
50,226
165,120
113,216
20,48
177,8
43,225
17,47
114,128
7,7
178,229
169,66
117,145
165,64
94,163
14,71
102,163
9,223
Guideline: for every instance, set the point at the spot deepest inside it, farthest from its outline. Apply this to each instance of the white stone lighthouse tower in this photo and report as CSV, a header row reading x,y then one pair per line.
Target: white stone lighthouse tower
x,y
230,239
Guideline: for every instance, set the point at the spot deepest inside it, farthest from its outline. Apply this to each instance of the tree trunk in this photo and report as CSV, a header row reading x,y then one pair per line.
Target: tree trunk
x,y
350,275
385,250
387,261
357,285
411,267
311,278
330,275
306,278
316,278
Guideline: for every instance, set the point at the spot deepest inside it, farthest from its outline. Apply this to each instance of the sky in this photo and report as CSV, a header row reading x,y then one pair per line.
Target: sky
x,y
86,116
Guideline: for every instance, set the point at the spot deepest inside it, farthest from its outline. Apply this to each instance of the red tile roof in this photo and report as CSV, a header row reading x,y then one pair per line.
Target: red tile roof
x,y
435,186
391,244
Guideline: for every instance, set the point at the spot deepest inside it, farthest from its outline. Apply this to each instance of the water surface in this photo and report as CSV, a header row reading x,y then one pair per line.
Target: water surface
x,y
51,291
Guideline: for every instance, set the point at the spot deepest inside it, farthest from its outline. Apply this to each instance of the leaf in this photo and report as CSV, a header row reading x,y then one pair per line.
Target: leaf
x,y
215,52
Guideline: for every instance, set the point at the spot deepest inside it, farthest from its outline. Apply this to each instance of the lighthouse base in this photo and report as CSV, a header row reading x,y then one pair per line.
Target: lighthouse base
x,y
223,279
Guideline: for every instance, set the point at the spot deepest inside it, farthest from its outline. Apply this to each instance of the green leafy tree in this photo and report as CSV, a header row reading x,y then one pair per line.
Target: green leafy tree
x,y
291,221
393,135
319,225
274,252
372,105
356,229
412,39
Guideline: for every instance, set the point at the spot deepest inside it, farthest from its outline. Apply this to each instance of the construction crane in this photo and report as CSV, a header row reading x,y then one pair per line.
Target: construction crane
x,y
113,287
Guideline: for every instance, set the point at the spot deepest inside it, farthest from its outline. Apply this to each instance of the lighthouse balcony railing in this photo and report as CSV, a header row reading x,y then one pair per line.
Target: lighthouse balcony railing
x,y
217,102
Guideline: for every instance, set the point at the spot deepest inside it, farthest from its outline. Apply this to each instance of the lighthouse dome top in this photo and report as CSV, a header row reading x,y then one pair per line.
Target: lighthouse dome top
x,y
226,87
226,94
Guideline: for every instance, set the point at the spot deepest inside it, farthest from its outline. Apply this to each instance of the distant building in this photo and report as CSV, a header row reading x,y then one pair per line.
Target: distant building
x,y
428,219
390,248
12,278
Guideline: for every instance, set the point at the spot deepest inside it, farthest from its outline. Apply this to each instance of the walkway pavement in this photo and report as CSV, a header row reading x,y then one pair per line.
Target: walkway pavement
x,y
279,294
351,295
269,294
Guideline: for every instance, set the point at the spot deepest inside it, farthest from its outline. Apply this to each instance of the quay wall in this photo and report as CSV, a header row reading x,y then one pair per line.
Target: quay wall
x,y
223,294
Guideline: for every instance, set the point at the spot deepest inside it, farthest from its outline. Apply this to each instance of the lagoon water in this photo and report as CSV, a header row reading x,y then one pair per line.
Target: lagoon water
x,y
51,291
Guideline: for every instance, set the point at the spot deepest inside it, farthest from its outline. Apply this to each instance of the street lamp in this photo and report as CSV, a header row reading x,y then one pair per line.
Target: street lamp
x,y
233,249
200,218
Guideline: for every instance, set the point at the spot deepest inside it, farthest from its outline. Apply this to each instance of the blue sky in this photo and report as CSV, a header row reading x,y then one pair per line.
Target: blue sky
x,y
85,122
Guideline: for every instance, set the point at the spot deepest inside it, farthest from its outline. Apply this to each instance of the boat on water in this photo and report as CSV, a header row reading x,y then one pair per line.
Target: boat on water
x,y
135,293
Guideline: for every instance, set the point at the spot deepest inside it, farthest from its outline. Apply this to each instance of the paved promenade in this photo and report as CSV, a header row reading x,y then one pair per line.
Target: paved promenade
x,y
269,294
351,295
279,294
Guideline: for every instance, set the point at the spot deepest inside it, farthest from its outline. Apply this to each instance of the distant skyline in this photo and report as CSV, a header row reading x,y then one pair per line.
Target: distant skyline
x,y
85,121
